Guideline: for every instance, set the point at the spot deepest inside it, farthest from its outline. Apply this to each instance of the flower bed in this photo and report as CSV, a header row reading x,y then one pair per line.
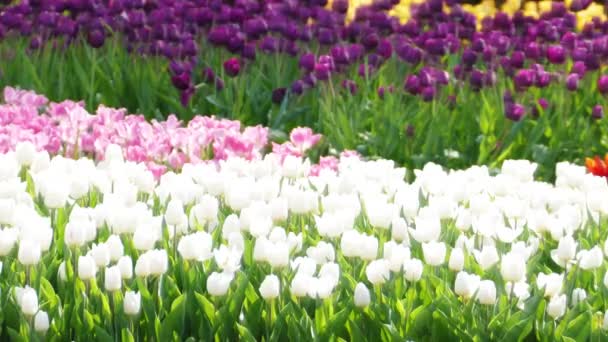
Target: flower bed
x,y
259,249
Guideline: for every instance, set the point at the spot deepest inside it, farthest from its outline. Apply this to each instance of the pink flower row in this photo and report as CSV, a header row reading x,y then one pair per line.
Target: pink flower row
x,y
67,128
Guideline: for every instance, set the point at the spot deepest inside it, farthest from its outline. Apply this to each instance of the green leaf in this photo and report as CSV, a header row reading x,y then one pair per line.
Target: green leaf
x,y
207,307
174,322
244,334
102,335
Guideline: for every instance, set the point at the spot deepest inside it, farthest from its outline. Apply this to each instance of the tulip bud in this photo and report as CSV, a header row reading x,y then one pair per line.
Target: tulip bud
x,y
159,261
174,215
142,266
74,235
101,254
412,270
27,300
270,287
132,303
578,295
86,267
41,322
300,284
29,252
378,271
566,250
552,283
219,283
456,262
125,265
434,253
61,272
487,292
513,267
25,152
466,284
362,296
115,247
487,257
113,279
557,306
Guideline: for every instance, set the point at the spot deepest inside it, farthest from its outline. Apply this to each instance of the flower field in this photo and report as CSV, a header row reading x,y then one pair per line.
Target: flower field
x,y
272,170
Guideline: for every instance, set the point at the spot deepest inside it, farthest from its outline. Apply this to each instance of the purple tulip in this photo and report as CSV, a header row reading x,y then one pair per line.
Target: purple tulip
x,y
350,85
514,111
572,82
249,51
340,6
517,59
469,57
579,5
428,93
597,112
181,81
297,87
322,71
542,79
579,68
476,79
410,130
232,66
524,79
269,45
385,49
602,84
278,95
412,84
208,75
556,54
307,62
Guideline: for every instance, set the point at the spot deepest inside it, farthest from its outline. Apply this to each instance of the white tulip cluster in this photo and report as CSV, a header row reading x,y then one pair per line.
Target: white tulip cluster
x,y
467,223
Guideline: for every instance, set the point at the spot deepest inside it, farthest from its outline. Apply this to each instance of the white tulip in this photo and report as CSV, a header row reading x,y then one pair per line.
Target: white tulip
x,y
399,231
227,259
566,251
112,279
552,283
300,284
132,303
125,265
351,243
557,306
101,254
362,296
591,259
174,214
278,255
487,257
294,241
304,265
219,283
159,261
232,224
456,262
29,252
378,271
25,152
8,239
115,247
86,267
487,292
412,269
143,266
41,322
144,239
369,247
427,228
196,246
270,287
434,253
27,300
466,284
61,273
513,267
74,235
578,295
396,255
